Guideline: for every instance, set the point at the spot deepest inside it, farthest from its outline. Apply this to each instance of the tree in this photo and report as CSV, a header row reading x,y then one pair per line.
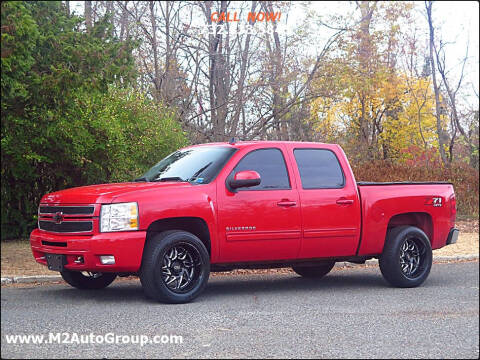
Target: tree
x,y
452,103
364,87
69,116
88,15
442,136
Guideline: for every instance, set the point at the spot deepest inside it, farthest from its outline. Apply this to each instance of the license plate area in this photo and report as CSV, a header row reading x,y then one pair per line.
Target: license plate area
x,y
55,262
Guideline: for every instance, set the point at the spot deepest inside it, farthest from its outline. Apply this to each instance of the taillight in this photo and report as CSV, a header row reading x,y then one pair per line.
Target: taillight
x,y
453,209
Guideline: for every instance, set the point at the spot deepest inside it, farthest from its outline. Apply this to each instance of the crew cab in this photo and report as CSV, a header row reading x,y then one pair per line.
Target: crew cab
x,y
221,206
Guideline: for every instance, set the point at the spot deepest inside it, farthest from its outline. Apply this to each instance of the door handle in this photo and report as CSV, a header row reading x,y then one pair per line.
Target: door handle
x,y
343,201
286,203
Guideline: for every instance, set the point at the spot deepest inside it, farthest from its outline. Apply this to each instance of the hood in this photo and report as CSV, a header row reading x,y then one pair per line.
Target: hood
x,y
104,193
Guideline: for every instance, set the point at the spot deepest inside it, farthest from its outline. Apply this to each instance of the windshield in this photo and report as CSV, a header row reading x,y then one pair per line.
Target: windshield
x,y
197,164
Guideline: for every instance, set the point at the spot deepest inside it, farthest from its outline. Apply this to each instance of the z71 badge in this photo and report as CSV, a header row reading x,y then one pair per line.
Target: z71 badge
x,y
434,201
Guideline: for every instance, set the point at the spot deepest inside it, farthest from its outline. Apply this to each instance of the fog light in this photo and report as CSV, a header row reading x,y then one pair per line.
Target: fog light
x,y
78,260
107,259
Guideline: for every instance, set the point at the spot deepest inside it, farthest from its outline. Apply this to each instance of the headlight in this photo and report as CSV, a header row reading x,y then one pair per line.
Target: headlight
x,y
119,217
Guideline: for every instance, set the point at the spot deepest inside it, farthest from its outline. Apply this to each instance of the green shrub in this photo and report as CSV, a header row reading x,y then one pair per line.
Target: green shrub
x,y
99,138
69,114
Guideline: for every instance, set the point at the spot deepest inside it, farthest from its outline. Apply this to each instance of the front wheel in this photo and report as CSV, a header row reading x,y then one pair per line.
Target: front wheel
x,y
88,280
407,257
175,267
316,271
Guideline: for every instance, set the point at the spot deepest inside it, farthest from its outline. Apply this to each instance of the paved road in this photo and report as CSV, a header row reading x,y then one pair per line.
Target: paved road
x,y
350,313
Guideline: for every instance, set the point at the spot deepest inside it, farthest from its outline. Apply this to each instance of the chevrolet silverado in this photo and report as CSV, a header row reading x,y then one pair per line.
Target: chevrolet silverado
x,y
221,206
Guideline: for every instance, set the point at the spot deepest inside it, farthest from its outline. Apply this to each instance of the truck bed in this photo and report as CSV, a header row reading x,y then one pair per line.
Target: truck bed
x,y
427,205
371,183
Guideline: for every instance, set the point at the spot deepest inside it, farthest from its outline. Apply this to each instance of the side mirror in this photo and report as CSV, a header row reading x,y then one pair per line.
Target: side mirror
x,y
245,179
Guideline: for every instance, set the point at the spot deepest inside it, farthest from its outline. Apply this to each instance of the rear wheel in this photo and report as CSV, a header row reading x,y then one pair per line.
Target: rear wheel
x,y
316,271
407,257
88,280
175,267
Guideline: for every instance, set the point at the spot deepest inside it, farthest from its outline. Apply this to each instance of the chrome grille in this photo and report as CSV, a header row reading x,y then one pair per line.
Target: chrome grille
x,y
66,226
66,219
67,210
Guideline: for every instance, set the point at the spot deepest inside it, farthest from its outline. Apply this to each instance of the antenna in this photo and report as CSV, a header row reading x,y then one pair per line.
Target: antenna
x,y
232,141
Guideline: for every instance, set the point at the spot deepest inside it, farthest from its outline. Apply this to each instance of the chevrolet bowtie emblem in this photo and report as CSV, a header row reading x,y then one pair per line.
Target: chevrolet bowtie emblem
x,y
58,217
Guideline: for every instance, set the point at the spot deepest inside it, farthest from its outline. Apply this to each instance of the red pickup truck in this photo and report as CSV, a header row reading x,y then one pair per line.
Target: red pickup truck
x,y
221,206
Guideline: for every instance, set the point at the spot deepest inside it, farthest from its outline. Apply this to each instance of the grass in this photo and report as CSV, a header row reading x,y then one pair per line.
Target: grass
x,y
17,258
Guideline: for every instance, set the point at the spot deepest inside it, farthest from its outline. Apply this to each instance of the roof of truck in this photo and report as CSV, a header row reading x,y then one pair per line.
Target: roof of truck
x,y
240,144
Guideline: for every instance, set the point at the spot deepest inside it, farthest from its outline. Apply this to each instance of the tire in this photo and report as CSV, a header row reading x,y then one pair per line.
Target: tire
x,y
406,259
317,271
88,281
175,267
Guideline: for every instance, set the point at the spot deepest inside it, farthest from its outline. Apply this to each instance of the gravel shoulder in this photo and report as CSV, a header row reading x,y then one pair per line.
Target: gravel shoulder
x,y
467,244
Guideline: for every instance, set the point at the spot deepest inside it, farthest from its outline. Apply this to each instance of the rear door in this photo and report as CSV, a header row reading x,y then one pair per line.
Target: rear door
x,y
330,204
261,222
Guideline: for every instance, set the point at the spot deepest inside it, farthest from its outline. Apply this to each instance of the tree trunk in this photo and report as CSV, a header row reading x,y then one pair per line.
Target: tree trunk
x,y
365,55
216,74
440,132
156,65
239,106
124,21
88,15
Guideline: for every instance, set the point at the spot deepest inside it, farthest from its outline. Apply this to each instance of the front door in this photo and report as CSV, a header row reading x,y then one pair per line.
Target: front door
x,y
262,222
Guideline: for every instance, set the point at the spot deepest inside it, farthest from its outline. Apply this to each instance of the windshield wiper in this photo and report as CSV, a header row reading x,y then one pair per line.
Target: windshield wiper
x,y
194,176
140,179
170,178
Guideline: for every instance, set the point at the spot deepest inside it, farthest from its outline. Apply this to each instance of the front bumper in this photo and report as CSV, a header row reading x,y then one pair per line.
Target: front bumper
x,y
127,247
452,236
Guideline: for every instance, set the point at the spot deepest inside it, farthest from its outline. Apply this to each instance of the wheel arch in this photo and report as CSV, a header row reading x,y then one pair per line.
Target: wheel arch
x,y
195,225
421,220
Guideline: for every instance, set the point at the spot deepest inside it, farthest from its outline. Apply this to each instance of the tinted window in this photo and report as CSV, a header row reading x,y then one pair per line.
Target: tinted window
x,y
319,169
270,164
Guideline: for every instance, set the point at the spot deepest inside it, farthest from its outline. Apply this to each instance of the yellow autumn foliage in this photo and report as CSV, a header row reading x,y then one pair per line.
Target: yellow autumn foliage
x,y
401,109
